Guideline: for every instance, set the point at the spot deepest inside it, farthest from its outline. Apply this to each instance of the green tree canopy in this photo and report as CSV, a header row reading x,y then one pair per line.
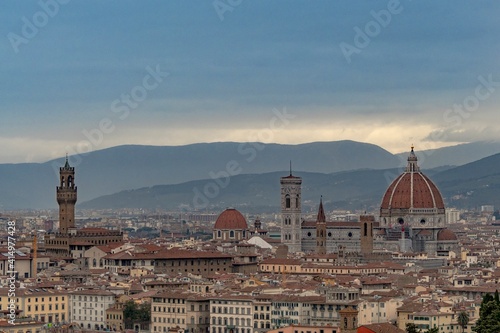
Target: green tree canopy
x,y
134,313
412,328
489,315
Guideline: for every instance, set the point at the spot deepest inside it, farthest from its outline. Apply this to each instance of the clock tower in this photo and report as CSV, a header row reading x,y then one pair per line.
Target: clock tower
x,y
291,212
66,197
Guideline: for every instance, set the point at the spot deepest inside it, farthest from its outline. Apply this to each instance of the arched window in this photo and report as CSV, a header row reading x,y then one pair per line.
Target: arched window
x,y
287,201
231,234
94,262
218,234
297,201
365,233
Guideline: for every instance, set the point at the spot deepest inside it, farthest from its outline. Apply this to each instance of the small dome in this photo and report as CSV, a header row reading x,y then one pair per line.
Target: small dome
x,y
446,235
231,219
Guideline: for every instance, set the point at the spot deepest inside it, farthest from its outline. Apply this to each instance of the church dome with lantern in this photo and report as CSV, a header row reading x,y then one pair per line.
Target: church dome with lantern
x,y
412,199
230,226
412,212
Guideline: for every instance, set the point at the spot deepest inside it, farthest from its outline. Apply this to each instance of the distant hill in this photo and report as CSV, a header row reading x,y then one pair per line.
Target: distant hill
x,y
454,155
467,186
359,189
107,171
473,184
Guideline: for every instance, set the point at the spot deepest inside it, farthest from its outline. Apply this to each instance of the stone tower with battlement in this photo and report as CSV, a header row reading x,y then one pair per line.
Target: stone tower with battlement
x,y
291,212
66,197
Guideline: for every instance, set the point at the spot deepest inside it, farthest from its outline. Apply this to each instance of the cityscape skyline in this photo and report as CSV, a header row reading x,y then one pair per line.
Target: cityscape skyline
x,y
78,79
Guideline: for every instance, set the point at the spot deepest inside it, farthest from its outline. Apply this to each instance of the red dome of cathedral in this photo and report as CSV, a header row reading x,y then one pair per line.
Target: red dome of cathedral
x,y
231,219
412,189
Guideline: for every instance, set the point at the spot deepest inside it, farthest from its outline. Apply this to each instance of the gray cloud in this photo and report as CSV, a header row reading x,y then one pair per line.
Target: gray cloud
x,y
231,73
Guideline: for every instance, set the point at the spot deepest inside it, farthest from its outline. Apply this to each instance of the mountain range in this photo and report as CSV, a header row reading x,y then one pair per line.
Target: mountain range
x,y
467,186
170,176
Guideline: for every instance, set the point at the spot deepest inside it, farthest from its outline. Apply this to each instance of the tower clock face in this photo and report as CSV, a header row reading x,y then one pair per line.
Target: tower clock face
x,y
288,190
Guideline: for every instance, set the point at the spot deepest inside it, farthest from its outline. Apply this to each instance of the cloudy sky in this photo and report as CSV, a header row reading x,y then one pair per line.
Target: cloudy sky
x,y
84,75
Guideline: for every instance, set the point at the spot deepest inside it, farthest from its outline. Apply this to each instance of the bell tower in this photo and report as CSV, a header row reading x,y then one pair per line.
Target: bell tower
x,y
321,229
66,197
348,320
366,234
291,212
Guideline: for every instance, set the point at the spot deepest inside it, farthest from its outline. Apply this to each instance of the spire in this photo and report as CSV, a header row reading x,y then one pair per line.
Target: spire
x,y
412,162
290,167
66,165
321,212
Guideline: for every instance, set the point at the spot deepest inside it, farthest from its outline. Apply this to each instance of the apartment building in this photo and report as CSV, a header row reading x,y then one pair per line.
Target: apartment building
x,y
88,307
231,314
180,309
44,305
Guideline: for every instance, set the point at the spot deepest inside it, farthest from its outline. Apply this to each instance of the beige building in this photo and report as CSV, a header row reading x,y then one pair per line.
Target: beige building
x,y
21,325
180,309
262,313
231,314
94,257
45,306
23,265
378,309
114,317
305,329
297,266
116,262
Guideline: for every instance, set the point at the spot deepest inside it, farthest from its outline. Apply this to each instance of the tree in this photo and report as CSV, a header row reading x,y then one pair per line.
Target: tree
x,y
489,316
136,314
412,328
433,330
130,314
463,320
144,314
